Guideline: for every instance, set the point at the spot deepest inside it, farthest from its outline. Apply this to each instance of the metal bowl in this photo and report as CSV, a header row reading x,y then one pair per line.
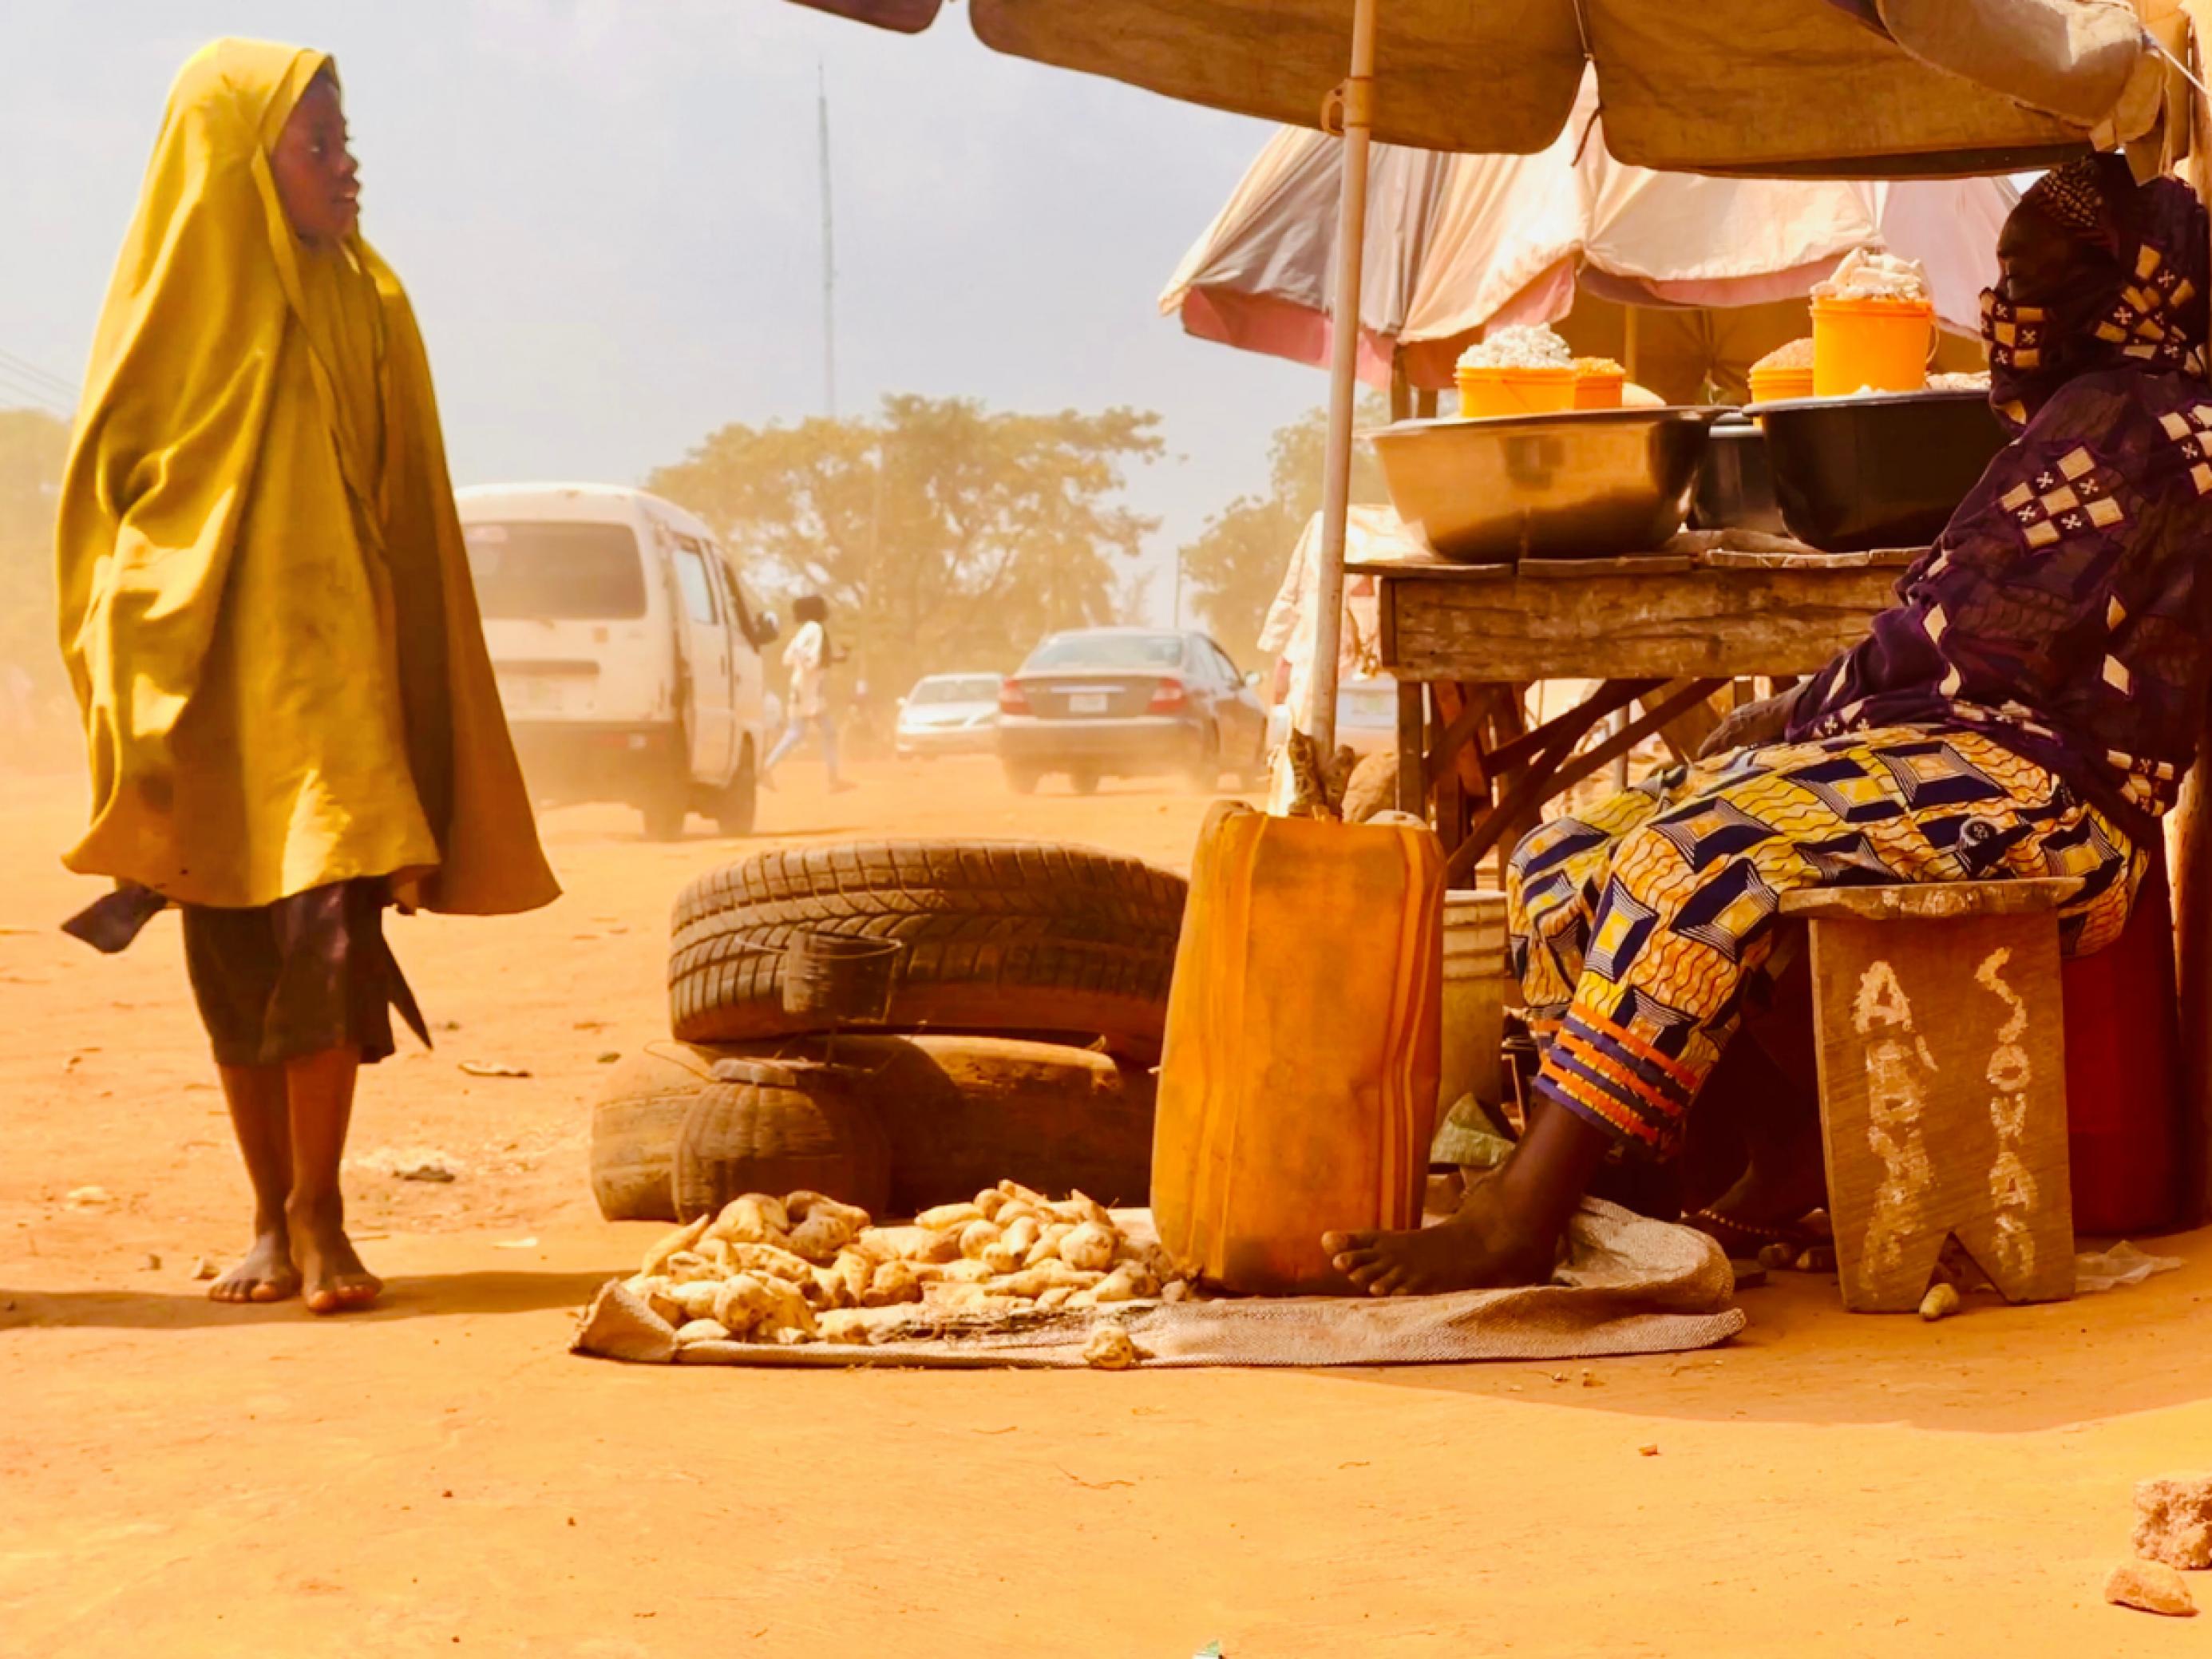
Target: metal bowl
x,y
1856,473
1735,482
1583,483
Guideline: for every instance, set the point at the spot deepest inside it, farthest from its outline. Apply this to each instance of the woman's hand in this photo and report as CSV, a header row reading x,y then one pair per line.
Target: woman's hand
x,y
1755,723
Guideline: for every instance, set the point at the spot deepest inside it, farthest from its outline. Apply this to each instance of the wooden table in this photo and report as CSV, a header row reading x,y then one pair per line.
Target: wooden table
x,y
1663,631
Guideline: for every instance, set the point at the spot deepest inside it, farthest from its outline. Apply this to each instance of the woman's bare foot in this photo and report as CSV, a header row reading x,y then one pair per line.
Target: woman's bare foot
x,y
1786,1180
1508,1228
1485,1245
336,1281
266,1274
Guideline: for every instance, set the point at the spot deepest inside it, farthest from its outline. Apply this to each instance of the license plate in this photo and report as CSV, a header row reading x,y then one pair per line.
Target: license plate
x,y
533,693
1086,703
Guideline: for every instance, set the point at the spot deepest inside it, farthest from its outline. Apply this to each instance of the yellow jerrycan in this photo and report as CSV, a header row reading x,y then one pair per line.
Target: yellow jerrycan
x,y
1298,1085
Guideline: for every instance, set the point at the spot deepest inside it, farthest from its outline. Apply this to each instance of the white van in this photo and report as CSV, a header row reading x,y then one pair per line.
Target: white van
x,y
628,650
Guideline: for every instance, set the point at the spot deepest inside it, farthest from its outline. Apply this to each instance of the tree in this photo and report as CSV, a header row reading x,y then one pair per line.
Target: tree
x,y
1237,564
945,535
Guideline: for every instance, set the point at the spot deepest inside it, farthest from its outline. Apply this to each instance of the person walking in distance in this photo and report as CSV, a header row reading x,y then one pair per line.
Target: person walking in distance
x,y
808,658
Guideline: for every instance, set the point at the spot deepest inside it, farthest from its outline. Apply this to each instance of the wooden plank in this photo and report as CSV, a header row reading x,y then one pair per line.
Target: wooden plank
x,y
1450,789
1638,565
1413,771
1529,793
1618,746
1802,558
1932,901
1609,696
1944,1103
1707,623
1685,735
1430,568
1508,726
1462,727
1557,770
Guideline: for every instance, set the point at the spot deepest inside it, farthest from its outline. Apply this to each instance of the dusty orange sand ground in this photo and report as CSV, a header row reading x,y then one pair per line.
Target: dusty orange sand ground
x,y
181,1478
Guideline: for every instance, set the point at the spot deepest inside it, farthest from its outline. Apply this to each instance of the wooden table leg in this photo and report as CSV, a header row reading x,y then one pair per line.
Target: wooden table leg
x,y
1458,768
1413,771
1510,723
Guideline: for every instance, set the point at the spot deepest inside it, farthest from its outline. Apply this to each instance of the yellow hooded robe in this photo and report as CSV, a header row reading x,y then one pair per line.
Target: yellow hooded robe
x,y
265,601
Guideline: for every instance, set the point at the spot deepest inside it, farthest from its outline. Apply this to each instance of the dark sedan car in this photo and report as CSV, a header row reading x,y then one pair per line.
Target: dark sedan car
x,y
1127,703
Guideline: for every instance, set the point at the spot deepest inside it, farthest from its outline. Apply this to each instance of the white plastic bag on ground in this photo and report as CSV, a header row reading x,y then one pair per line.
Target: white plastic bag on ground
x,y
2122,1265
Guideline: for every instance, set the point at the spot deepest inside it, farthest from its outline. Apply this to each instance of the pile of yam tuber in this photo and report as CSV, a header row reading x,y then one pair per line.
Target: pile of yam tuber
x,y
805,1268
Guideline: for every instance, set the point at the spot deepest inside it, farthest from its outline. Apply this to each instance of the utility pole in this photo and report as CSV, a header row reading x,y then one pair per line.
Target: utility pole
x,y
829,252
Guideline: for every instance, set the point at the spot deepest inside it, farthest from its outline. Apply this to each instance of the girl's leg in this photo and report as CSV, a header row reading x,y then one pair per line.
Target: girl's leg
x,y
261,1120
794,729
828,724
320,1089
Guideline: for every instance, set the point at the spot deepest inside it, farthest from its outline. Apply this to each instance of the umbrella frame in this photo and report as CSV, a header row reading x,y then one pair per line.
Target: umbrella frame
x,y
1354,100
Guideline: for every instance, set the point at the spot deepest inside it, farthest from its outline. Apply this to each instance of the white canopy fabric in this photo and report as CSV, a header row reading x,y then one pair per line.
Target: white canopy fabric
x,y
1455,244
1877,88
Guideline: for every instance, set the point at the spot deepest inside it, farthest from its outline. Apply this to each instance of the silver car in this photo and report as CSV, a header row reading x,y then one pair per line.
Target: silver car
x,y
1129,702
948,715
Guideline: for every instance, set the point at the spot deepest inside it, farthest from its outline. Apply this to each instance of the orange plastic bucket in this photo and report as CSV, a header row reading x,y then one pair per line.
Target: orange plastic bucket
x,y
1488,391
1882,344
1773,386
1599,388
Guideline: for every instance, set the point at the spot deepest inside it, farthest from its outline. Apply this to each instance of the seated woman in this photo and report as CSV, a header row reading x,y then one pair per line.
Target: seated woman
x,y
2028,707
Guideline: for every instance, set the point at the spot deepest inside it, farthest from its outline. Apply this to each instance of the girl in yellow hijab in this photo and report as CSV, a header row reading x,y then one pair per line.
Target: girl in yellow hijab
x,y
267,610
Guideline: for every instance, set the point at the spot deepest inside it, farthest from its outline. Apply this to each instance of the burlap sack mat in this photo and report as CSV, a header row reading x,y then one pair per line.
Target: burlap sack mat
x,y
1628,1286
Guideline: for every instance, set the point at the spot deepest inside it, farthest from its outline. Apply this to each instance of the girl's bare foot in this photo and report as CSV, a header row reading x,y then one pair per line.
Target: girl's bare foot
x,y
264,1274
336,1281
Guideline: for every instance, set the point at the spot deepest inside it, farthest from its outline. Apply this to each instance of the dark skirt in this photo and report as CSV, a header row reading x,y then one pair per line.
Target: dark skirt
x,y
282,981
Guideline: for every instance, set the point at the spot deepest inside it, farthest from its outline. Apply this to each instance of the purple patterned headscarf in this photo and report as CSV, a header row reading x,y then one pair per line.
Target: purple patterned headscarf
x,y
2133,292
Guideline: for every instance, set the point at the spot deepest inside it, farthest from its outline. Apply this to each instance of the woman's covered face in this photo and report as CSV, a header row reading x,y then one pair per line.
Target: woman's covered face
x,y
317,181
2037,259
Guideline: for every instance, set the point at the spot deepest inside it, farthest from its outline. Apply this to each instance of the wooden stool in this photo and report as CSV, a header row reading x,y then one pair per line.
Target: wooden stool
x,y
1943,1073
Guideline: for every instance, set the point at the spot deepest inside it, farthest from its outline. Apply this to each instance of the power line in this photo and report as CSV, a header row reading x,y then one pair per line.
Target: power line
x,y
33,396
15,383
27,369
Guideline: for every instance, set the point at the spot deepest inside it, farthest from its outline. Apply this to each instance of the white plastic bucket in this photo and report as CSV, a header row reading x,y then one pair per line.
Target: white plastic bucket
x,y
1478,985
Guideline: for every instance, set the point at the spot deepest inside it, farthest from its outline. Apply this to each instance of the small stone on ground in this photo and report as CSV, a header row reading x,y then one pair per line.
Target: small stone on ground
x,y
2150,1585
1109,1349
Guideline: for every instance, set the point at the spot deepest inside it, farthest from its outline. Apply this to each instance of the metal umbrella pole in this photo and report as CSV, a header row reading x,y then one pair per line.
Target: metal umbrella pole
x,y
1354,103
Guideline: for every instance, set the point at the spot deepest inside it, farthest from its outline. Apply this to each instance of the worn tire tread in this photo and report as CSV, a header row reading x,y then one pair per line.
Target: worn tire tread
x,y
1001,937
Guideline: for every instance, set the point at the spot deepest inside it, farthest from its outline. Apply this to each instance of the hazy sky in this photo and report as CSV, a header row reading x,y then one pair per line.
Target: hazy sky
x,y
607,215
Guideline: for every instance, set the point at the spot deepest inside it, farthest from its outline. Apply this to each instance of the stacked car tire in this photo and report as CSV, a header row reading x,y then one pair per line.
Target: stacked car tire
x,y
1027,1013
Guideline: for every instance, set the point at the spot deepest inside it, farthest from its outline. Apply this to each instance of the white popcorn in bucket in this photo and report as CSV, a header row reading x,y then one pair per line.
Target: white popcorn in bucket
x,y
1869,274
1519,347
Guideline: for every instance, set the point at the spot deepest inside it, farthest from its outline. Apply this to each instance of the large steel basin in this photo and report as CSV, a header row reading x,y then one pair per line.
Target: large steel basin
x,y
1582,483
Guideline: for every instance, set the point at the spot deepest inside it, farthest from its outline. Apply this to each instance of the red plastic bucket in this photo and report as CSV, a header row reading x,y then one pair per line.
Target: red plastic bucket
x,y
2123,1071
